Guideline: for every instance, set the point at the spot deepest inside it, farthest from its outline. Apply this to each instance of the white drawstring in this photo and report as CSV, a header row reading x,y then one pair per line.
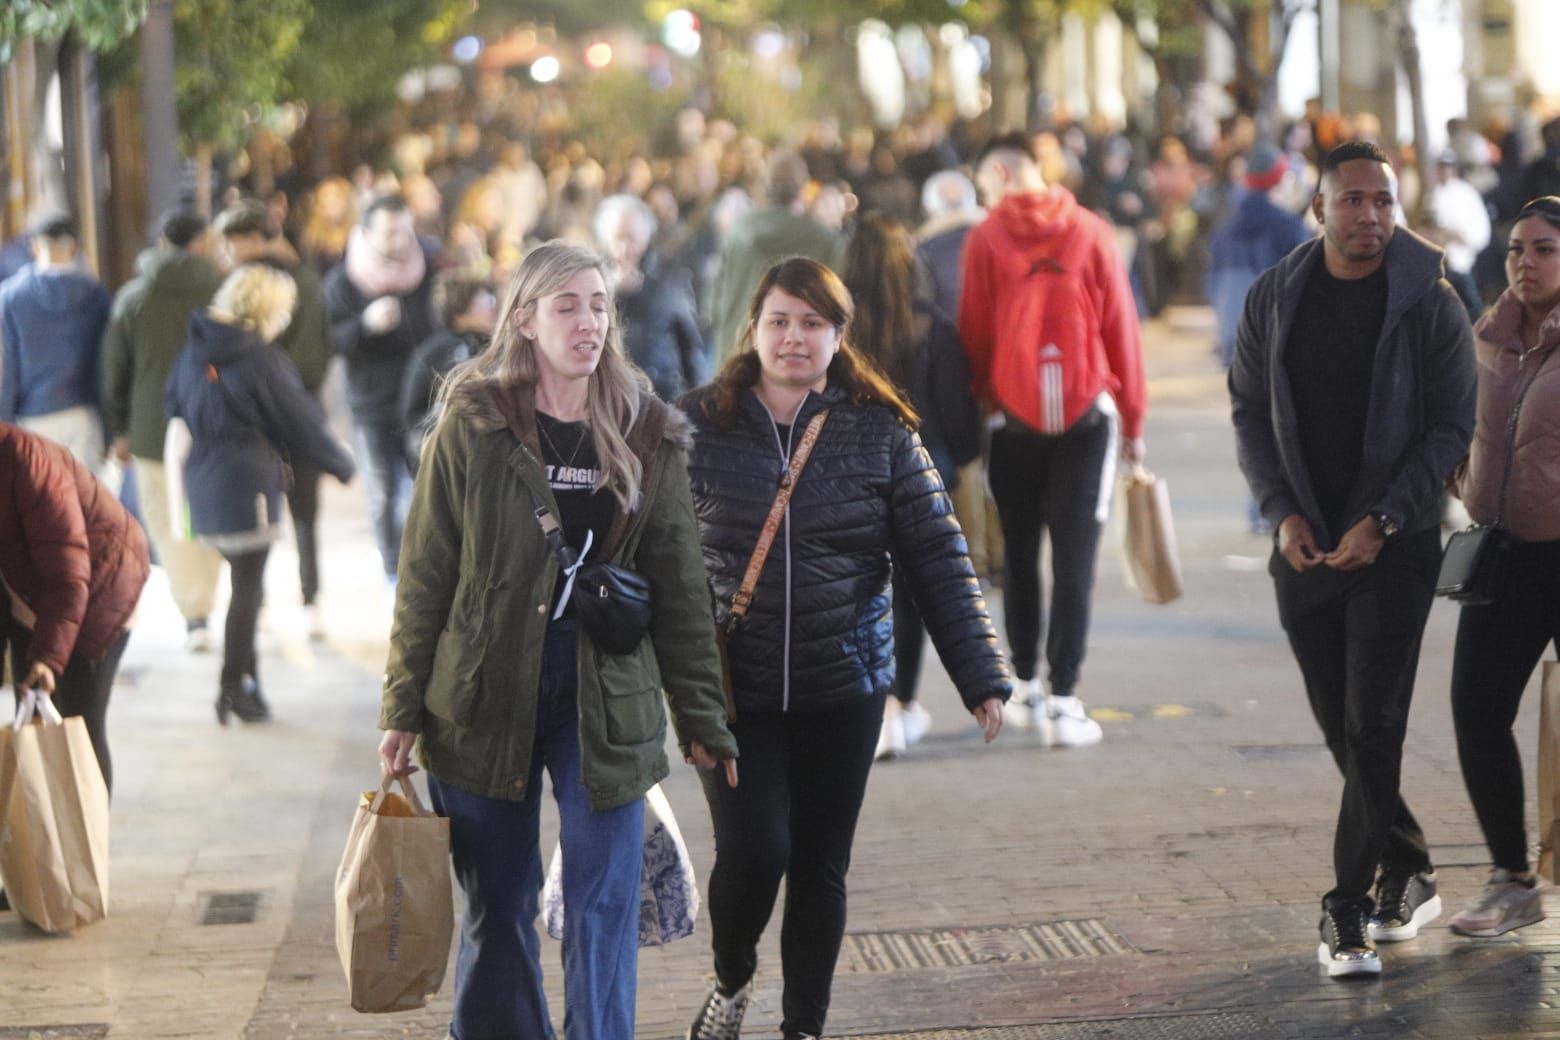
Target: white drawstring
x,y
568,585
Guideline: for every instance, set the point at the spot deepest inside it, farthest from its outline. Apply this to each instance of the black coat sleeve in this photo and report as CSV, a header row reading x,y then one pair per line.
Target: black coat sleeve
x,y
1251,406
928,545
293,419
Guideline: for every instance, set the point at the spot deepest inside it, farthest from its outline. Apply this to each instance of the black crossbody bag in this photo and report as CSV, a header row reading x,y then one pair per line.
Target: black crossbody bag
x,y
612,603
1473,566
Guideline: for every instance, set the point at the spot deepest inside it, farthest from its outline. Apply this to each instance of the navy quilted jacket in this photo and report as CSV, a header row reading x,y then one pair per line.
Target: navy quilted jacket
x,y
819,634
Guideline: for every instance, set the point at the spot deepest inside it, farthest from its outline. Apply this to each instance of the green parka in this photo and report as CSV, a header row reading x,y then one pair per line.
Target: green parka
x,y
146,328
472,609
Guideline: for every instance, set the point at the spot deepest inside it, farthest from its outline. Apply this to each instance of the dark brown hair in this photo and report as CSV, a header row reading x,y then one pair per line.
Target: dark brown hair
x,y
880,274
821,289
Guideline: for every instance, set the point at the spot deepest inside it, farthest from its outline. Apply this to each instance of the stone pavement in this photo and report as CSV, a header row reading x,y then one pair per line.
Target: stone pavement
x,y
1162,885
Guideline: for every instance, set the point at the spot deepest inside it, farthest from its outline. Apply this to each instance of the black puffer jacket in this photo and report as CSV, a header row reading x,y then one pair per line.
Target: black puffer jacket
x,y
819,633
661,330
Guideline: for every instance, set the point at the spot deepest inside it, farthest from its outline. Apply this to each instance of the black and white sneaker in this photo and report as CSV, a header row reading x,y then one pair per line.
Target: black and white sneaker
x,y
1404,904
721,1016
1346,948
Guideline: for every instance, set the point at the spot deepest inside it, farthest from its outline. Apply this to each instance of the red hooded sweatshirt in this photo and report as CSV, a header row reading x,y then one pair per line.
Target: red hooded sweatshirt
x,y
1047,314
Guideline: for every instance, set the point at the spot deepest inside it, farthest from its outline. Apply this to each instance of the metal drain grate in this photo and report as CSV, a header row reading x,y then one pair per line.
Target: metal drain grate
x,y
1220,1026
229,907
93,1031
956,947
1278,752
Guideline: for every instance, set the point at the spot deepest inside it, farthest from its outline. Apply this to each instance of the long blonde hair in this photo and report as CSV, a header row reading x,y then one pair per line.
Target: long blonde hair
x,y
612,402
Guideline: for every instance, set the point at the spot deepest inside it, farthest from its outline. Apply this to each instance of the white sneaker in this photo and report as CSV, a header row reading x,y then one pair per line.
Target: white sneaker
x,y
1504,905
1070,723
197,638
891,738
1025,709
916,721
314,623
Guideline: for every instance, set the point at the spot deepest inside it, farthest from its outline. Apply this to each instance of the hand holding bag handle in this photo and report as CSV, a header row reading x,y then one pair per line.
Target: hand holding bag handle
x,y
408,789
34,703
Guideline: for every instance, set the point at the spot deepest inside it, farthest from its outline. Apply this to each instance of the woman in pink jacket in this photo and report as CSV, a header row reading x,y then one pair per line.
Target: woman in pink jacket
x,y
1512,481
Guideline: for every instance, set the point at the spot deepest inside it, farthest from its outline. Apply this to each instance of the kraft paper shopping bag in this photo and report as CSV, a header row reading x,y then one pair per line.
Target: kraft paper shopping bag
x,y
53,819
1153,559
395,914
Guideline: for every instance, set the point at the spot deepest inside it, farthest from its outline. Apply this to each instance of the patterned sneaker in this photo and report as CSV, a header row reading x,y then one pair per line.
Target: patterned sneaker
x,y
1504,905
1404,904
1346,948
721,1016
1070,723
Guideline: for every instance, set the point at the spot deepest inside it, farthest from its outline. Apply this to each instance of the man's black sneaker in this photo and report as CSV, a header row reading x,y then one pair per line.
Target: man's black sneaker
x,y
1404,904
1346,948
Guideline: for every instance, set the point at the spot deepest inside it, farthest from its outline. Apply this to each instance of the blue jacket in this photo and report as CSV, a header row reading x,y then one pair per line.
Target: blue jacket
x,y
247,409
1420,418
1257,235
52,327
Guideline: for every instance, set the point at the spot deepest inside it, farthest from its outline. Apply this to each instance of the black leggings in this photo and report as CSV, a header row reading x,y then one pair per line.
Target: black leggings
x,y
1498,646
909,640
243,615
303,501
793,815
81,691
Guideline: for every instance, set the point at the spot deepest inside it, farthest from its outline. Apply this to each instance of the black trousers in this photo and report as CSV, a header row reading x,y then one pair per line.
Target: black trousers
x,y
1051,483
82,690
793,816
1356,636
1498,646
247,576
382,454
303,501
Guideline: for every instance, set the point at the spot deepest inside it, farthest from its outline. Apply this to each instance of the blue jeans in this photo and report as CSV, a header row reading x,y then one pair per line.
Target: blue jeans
x,y
498,972
386,482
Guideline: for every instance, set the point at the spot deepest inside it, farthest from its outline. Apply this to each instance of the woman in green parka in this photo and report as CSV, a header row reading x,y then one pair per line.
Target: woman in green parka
x,y
490,676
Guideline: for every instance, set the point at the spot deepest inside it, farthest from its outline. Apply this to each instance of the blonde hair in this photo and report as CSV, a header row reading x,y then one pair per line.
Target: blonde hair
x,y
259,297
509,362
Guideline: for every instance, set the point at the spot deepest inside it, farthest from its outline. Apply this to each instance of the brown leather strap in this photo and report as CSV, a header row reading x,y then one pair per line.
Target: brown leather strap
x,y
766,537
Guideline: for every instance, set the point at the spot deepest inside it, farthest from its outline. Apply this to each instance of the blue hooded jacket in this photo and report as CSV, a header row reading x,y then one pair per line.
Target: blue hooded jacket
x,y
247,412
51,325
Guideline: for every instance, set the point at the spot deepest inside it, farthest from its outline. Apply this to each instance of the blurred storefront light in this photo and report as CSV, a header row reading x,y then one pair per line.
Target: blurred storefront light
x,y
680,33
545,69
467,49
598,55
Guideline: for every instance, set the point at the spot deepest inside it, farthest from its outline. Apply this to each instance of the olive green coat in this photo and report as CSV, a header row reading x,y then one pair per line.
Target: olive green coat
x,y
473,604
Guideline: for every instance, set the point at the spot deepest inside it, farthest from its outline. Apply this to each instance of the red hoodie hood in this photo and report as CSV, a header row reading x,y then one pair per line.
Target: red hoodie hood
x,y
1033,220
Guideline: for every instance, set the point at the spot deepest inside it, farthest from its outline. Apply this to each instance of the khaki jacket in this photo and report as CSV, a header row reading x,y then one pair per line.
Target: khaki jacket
x,y
472,606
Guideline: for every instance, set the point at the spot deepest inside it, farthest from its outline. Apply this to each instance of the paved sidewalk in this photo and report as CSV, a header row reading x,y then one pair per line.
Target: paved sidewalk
x,y
1164,884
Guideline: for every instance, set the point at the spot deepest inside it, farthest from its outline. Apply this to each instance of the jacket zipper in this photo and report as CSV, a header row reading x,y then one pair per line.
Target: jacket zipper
x,y
785,660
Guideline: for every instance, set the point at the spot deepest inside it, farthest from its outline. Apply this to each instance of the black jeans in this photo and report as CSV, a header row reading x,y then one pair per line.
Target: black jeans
x,y
303,501
1356,635
1051,483
1498,646
804,776
247,575
82,690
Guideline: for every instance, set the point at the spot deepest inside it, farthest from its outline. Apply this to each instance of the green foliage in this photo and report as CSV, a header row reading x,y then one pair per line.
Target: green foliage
x,y
100,25
232,62
353,52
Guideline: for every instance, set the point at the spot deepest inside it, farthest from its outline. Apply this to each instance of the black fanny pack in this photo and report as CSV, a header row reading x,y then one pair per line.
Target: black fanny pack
x,y
612,603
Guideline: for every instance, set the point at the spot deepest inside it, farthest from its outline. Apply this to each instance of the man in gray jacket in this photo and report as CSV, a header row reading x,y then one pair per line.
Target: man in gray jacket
x,y
1353,389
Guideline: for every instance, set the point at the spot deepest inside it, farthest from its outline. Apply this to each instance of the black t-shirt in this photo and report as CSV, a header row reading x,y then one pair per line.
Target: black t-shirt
x,y
1330,358
569,459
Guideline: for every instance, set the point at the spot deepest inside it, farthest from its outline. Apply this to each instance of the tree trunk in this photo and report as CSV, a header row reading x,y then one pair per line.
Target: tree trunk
x,y
161,113
1408,55
203,180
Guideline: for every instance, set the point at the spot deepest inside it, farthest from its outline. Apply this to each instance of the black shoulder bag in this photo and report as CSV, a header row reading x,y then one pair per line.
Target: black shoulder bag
x,y
612,603
1473,567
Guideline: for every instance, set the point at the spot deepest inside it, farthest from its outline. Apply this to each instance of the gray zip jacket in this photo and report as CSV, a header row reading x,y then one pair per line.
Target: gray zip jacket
x,y
1421,400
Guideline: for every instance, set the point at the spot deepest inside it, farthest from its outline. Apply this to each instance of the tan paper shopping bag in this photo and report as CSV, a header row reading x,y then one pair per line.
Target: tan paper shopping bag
x,y
1549,771
53,819
394,911
1153,560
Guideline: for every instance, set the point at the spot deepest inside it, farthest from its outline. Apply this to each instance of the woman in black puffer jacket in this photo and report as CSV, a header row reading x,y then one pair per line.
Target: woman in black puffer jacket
x,y
243,407
814,657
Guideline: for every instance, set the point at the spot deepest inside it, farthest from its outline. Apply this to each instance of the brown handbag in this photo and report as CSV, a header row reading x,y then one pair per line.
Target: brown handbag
x,y
766,539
